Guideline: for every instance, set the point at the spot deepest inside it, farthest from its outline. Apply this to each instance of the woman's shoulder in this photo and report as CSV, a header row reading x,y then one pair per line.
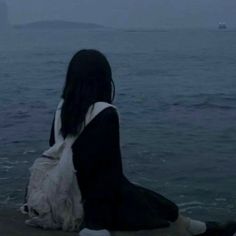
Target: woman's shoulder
x,y
102,105
108,114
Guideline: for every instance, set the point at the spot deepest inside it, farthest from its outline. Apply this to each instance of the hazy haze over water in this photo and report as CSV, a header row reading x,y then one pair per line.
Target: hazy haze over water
x,y
128,13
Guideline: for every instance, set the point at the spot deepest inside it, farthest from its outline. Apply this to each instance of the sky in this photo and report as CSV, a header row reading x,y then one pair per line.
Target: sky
x,y
127,13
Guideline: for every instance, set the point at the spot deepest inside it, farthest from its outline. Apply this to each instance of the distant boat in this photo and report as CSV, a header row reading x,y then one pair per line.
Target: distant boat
x,y
222,26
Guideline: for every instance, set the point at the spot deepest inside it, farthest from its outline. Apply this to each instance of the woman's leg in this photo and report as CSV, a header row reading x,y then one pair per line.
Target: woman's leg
x,y
178,228
183,226
199,228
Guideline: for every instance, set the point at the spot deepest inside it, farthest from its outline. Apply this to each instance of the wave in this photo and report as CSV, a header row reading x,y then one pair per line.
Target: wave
x,y
207,101
208,104
186,206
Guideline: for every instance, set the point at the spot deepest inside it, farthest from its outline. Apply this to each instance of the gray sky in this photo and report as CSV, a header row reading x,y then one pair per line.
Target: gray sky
x,y
128,13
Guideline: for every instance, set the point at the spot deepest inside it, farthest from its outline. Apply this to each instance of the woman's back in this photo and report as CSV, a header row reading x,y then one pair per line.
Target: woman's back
x,y
109,200
99,146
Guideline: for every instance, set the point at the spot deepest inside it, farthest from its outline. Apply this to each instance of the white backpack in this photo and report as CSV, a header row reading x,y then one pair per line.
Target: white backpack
x,y
53,196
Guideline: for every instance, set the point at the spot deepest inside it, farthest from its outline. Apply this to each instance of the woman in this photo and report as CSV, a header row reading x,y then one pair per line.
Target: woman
x,y
110,201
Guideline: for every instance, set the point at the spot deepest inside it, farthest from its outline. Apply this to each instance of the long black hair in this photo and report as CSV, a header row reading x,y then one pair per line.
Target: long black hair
x,y
88,80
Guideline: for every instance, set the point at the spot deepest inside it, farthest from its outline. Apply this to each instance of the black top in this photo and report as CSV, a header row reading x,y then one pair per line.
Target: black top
x,y
109,200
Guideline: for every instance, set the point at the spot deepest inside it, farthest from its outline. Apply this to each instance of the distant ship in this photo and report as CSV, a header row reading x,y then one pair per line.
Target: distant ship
x,y
222,26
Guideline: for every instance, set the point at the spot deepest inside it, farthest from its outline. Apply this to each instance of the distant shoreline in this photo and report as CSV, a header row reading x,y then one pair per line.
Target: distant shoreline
x,y
58,24
64,25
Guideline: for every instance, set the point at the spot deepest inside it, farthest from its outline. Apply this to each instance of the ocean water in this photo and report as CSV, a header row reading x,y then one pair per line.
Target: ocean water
x,y
176,95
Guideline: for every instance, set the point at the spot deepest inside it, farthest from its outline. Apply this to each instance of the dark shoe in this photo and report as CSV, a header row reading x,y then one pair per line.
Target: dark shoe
x,y
229,229
216,229
213,229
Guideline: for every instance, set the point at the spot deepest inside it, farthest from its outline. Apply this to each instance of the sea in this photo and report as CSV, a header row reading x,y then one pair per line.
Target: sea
x,y
176,96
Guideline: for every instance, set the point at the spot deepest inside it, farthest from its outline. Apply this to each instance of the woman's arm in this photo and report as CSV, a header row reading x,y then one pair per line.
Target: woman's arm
x,y
98,161
97,154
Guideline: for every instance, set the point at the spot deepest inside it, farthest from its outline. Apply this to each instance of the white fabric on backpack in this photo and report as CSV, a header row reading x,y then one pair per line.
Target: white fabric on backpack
x,y
53,196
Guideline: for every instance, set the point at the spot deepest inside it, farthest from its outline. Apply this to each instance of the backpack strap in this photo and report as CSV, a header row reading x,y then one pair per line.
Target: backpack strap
x,y
92,112
57,123
95,109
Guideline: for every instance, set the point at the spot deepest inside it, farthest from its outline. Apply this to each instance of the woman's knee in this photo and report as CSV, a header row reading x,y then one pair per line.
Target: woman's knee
x,y
172,212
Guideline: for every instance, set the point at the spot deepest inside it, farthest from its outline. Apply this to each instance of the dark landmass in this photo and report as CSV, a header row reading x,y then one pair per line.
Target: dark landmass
x,y
145,30
58,24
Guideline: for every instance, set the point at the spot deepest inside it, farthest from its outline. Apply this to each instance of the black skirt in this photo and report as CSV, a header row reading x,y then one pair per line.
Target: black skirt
x,y
133,208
